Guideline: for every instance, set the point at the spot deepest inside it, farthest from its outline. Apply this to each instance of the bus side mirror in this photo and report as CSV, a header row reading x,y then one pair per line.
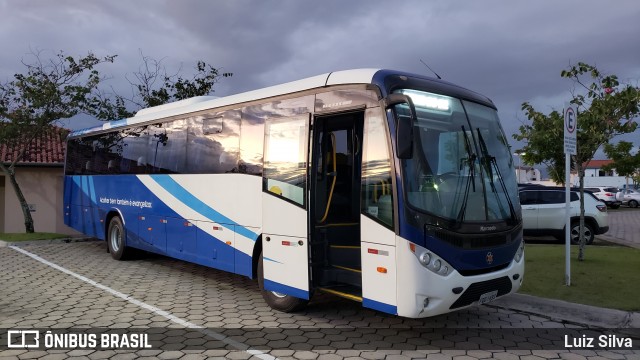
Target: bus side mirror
x,y
404,125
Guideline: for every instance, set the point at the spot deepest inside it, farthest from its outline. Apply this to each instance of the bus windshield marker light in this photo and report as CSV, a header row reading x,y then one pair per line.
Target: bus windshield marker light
x,y
429,101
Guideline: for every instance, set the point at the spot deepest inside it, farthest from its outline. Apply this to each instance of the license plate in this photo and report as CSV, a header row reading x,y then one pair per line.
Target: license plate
x,y
486,297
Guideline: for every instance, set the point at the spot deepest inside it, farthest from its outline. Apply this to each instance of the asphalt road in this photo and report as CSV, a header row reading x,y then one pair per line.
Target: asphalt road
x,y
193,312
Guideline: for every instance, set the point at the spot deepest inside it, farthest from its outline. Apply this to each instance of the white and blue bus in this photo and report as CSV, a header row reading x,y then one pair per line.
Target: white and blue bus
x,y
392,189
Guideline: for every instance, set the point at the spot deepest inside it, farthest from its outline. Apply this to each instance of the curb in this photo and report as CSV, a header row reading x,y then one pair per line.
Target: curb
x,y
567,312
4,243
618,241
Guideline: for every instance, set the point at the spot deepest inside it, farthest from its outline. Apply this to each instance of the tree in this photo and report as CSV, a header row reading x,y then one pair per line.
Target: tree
x,y
624,163
30,104
152,85
607,109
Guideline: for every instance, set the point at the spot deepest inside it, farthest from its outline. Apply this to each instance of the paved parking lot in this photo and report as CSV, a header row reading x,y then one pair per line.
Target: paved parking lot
x,y
78,285
624,227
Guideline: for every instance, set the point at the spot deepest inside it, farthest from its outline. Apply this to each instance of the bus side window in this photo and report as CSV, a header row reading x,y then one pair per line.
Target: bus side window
x,y
251,140
213,143
134,150
377,191
167,147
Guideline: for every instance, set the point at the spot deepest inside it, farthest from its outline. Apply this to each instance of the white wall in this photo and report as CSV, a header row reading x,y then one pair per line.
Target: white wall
x,y
524,176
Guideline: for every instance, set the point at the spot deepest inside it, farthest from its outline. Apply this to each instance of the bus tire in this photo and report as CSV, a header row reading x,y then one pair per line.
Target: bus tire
x,y
280,302
116,239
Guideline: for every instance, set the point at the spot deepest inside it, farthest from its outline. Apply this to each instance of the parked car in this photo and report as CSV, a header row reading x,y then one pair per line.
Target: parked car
x,y
629,197
606,194
543,213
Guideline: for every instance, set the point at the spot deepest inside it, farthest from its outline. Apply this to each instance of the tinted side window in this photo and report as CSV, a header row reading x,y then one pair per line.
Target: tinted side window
x,y
95,155
167,147
251,140
575,197
552,197
78,152
528,197
213,143
107,153
134,150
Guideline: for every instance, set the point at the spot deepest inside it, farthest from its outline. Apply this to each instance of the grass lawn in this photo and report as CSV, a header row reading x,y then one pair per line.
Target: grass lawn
x,y
608,277
26,237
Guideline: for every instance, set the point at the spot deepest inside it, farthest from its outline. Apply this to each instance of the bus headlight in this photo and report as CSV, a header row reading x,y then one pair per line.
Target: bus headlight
x,y
431,261
424,258
437,265
520,252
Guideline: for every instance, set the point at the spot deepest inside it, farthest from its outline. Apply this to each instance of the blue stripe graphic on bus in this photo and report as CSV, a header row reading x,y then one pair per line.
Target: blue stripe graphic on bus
x,y
270,259
92,191
196,204
285,289
116,123
380,306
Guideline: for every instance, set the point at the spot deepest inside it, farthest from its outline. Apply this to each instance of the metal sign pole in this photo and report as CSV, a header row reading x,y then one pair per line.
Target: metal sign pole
x,y
567,231
570,148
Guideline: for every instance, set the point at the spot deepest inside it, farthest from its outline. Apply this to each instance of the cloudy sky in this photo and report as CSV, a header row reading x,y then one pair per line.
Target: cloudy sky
x,y
511,51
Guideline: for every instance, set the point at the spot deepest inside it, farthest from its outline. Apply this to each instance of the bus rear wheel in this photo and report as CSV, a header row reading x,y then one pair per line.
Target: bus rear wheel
x,y
276,300
115,239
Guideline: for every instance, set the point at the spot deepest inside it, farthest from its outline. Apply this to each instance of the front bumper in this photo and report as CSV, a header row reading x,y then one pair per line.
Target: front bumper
x,y
417,286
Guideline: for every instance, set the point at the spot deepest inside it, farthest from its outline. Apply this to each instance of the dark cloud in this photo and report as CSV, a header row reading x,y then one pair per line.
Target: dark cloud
x,y
511,52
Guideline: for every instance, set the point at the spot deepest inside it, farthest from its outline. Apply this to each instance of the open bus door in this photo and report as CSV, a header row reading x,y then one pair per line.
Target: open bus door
x,y
284,267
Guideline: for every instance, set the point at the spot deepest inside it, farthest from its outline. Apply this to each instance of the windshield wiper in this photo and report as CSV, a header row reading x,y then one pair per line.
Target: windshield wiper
x,y
490,162
471,158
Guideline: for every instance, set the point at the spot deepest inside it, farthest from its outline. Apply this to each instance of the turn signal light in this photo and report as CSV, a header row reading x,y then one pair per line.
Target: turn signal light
x,y
382,270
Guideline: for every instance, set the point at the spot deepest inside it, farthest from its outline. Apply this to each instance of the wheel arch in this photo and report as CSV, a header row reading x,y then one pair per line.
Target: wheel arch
x,y
255,257
587,219
110,214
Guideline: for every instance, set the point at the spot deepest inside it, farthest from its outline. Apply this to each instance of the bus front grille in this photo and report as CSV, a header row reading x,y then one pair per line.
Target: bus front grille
x,y
474,241
473,292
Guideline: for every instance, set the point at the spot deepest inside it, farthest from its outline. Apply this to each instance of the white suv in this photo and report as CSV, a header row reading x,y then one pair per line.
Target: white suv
x,y
543,213
606,194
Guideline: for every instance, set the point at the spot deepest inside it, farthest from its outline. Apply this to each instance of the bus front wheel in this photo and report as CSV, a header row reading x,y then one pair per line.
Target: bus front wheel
x,y
115,239
276,300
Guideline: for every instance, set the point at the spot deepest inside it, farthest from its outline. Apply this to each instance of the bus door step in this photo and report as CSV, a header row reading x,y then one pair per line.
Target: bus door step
x,y
336,274
345,256
344,291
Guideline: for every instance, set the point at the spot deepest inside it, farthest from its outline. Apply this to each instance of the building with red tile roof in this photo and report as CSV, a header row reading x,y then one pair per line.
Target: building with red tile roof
x,y
596,164
47,149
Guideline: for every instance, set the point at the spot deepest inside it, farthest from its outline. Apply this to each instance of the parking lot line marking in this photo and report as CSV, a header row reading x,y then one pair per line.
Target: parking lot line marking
x,y
169,316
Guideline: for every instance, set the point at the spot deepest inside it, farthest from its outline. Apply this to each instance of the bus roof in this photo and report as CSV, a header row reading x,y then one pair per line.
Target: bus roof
x,y
356,76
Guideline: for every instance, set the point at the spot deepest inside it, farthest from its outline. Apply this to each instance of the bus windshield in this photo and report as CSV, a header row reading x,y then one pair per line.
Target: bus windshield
x,y
461,168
